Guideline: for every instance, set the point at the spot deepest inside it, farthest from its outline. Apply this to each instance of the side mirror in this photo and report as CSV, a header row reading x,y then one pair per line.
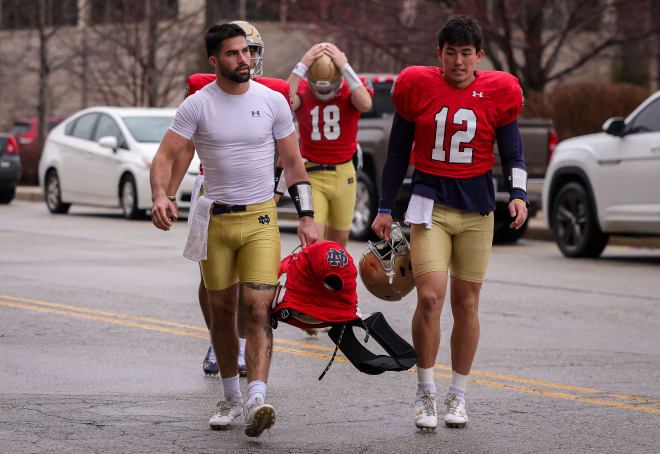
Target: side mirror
x,y
109,142
614,126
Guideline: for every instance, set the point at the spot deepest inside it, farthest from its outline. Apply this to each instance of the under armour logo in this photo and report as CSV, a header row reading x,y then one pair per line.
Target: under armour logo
x,y
255,113
477,93
336,258
264,219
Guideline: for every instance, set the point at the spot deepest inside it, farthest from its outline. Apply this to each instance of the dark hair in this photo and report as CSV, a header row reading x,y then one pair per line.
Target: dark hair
x,y
216,34
461,30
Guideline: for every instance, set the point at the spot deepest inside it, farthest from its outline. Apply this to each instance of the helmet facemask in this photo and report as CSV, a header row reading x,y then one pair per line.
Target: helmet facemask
x,y
324,90
257,58
385,267
388,251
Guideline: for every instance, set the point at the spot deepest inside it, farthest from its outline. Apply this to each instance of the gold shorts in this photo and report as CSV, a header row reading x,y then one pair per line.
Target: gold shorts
x,y
333,193
459,242
243,246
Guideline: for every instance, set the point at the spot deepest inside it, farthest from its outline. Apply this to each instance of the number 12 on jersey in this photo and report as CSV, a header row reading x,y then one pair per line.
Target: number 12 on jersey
x,y
456,156
331,128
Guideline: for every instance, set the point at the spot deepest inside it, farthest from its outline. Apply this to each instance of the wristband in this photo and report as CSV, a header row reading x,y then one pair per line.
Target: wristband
x,y
352,79
280,184
301,194
515,178
172,198
385,210
300,69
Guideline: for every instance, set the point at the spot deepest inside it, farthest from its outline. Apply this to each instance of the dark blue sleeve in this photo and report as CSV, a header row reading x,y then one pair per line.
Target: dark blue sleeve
x,y
402,137
509,144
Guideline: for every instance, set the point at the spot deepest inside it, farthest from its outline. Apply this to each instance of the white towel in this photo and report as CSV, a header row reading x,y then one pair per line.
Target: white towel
x,y
199,181
198,237
420,211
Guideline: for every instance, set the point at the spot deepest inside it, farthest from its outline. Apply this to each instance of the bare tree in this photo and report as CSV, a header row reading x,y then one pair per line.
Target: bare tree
x,y
45,18
135,53
543,42
538,41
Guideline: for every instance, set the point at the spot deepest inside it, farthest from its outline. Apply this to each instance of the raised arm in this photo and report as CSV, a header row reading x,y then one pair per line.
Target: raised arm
x,y
360,97
163,211
300,70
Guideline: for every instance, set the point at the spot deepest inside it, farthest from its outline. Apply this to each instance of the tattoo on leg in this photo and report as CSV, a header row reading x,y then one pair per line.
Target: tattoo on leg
x,y
258,286
269,335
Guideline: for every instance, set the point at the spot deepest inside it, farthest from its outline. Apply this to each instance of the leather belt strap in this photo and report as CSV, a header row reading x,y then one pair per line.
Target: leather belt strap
x,y
219,208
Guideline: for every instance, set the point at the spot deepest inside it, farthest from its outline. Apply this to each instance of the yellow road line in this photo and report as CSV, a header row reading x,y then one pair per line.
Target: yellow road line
x,y
100,312
84,314
531,381
103,319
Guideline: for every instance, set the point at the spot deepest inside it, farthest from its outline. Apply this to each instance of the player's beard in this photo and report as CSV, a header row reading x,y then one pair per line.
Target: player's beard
x,y
234,75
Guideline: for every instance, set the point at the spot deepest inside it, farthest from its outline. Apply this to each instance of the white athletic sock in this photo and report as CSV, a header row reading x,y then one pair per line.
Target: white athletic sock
x,y
232,388
241,352
458,385
425,381
255,389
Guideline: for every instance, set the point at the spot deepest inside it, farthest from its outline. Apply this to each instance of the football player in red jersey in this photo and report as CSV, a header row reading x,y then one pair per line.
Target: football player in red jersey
x,y
181,164
454,115
328,107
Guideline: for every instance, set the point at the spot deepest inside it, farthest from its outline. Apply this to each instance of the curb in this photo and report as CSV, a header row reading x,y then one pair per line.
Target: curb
x,y
31,193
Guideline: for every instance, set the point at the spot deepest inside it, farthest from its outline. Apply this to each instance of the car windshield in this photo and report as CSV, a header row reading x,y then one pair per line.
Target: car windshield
x,y
148,129
20,128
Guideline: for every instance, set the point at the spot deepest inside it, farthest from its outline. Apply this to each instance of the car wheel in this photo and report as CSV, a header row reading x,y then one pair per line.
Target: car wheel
x,y
53,194
128,198
365,207
7,195
574,223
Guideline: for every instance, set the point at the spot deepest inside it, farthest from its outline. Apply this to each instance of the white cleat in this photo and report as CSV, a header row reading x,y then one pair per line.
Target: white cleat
x,y
227,412
260,416
456,416
426,416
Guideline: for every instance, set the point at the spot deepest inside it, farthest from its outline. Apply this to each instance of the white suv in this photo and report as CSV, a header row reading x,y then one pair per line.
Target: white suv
x,y
606,183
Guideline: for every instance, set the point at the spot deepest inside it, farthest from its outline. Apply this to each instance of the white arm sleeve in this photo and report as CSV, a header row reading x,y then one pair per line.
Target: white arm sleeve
x,y
283,123
187,117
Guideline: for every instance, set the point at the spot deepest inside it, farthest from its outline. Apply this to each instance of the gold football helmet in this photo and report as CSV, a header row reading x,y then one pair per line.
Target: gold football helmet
x,y
324,78
256,44
385,267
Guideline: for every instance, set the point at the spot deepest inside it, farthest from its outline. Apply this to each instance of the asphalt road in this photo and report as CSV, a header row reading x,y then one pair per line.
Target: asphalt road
x,y
101,343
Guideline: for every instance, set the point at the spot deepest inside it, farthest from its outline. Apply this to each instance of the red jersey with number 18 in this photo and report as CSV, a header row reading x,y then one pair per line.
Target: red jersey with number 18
x,y
328,129
455,128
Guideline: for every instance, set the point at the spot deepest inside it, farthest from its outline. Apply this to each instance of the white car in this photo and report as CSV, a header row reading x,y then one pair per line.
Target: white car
x,y
102,156
606,183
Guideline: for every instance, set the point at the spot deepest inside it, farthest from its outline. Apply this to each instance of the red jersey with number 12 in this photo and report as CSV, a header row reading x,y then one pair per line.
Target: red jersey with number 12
x,y
455,128
328,129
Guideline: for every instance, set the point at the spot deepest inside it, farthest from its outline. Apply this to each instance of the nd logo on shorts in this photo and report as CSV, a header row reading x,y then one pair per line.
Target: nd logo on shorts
x,y
265,219
336,258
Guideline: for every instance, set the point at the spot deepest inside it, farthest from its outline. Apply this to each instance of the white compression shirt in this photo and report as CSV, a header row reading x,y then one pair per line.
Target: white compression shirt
x,y
235,137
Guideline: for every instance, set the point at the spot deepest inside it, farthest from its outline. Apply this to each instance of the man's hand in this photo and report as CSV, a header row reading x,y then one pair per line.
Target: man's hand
x,y
338,57
164,212
382,225
313,53
518,210
306,231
